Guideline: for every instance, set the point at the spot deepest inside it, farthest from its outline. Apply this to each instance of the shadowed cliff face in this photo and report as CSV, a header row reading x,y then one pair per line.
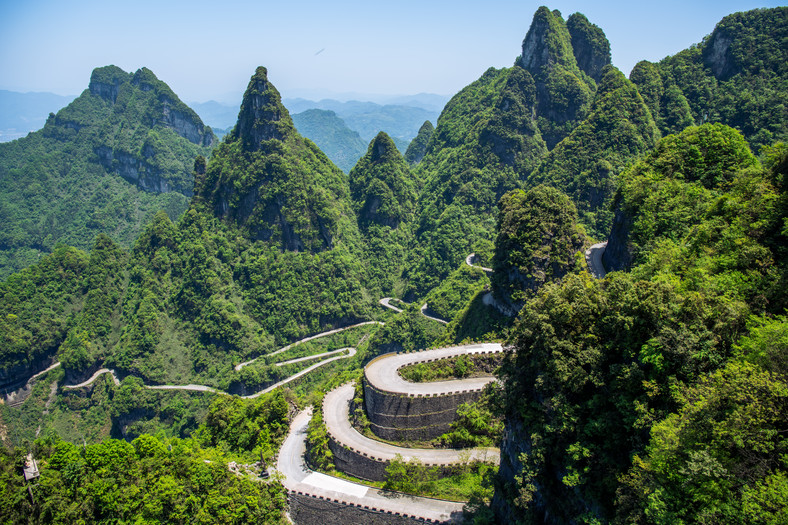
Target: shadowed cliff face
x,y
589,45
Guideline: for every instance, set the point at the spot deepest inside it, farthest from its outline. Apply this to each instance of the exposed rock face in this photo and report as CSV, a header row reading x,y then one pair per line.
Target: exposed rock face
x,y
131,142
185,125
105,82
547,43
589,45
513,444
717,56
618,255
562,96
261,113
137,170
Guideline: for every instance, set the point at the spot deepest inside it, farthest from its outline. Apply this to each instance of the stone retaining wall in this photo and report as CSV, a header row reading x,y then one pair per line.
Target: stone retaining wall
x,y
400,417
364,466
310,510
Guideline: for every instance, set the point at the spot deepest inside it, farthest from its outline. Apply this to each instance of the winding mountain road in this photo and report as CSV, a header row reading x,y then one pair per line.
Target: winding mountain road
x,y
594,260
351,353
337,354
469,262
386,301
336,414
298,478
383,372
94,377
424,309
305,339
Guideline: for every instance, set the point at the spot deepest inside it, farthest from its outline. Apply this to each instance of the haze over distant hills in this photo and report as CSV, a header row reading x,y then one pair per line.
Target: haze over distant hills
x,y
400,116
21,113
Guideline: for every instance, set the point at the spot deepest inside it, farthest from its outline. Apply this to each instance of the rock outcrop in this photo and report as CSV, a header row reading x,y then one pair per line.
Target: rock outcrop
x,y
274,184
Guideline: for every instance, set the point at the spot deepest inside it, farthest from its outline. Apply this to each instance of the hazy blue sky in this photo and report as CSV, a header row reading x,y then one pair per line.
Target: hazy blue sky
x,y
208,50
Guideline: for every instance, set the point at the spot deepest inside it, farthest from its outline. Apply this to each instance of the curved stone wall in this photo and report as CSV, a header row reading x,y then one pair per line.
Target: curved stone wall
x,y
399,410
399,417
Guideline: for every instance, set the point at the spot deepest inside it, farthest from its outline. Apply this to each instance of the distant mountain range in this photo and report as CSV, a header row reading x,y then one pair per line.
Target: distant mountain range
x,y
21,113
400,117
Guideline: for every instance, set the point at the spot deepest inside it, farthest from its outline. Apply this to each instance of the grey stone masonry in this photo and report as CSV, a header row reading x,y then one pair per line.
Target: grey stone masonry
x,y
399,417
402,410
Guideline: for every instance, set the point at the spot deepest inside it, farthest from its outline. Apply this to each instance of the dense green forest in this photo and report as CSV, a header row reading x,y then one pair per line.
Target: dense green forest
x,y
646,371
657,394
340,144
106,163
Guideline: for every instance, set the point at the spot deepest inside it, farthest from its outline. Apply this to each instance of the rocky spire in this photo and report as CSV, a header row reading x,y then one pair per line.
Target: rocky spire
x,y
262,116
563,94
418,146
547,43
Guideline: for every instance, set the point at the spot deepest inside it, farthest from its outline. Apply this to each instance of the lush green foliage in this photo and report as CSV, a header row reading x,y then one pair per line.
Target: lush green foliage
x,y
585,164
600,363
478,424
412,477
147,480
564,92
66,183
737,76
538,241
484,137
454,292
340,144
36,304
257,426
451,368
589,45
407,331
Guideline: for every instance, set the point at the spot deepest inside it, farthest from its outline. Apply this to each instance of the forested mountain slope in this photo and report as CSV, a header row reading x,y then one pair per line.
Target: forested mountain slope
x,y
738,75
340,144
609,380
106,163
268,250
384,193
494,133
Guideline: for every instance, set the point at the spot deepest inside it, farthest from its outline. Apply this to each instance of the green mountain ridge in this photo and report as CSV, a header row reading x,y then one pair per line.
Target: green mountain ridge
x,y
657,394
342,145
65,183
734,76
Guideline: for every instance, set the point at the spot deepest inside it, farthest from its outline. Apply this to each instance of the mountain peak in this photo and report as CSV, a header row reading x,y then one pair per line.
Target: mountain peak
x,y
382,147
105,82
547,42
263,117
381,185
589,45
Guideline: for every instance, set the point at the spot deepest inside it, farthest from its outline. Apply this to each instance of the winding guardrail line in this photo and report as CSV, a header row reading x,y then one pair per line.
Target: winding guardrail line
x,y
336,414
304,340
299,479
383,372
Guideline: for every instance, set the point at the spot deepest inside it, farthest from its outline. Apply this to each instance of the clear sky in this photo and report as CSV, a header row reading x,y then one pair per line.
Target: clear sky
x,y
208,50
